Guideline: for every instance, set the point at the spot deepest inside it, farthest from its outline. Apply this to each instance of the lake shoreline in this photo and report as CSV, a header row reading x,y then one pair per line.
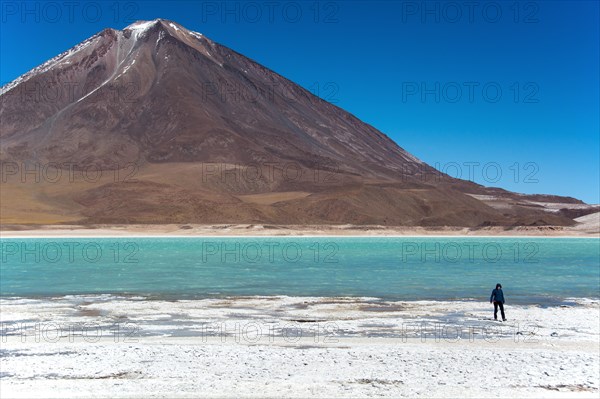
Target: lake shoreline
x,y
262,230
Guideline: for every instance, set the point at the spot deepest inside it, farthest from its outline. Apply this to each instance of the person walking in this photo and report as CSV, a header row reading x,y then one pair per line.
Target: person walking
x,y
497,299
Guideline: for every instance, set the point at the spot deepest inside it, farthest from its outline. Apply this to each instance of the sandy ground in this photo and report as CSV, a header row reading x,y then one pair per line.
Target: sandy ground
x,y
589,226
105,346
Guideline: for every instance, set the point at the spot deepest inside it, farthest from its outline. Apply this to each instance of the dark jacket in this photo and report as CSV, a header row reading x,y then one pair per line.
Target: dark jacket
x,y
497,295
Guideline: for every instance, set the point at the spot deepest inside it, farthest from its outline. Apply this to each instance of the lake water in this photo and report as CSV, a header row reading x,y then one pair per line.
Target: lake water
x,y
531,270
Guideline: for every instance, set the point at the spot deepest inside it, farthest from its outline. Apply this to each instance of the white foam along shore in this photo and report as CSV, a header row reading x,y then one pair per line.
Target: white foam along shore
x,y
107,346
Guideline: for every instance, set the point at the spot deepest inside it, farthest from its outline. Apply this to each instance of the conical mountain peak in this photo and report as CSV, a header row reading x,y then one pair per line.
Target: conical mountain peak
x,y
170,101
142,26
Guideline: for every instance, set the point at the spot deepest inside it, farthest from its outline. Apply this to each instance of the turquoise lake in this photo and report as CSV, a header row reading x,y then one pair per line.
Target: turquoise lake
x,y
531,270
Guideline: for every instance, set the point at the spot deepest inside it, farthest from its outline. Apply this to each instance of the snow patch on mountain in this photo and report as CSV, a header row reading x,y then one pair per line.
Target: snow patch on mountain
x,y
141,26
59,60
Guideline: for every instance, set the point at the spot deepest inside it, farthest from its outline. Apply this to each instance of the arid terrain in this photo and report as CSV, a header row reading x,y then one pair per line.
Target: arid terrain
x,y
156,124
587,226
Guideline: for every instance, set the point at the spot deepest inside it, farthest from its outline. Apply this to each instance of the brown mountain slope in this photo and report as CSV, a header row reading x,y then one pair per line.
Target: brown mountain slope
x,y
202,134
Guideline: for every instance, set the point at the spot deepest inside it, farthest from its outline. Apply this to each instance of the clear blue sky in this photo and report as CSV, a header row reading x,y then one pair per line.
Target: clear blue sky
x,y
386,62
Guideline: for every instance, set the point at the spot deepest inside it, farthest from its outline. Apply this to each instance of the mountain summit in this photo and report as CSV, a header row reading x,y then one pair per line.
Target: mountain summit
x,y
158,92
211,136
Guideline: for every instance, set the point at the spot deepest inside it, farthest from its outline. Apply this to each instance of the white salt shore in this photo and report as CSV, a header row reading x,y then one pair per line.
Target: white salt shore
x,y
107,346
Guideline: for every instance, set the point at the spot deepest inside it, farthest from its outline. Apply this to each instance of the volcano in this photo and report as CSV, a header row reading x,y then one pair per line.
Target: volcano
x,y
159,124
